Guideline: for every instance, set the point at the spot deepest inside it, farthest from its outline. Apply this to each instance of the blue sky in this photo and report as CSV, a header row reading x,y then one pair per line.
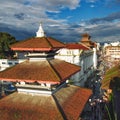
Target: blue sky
x,y
64,20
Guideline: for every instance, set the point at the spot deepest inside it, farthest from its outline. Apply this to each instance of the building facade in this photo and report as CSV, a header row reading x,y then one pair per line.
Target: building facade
x,y
6,63
82,54
111,52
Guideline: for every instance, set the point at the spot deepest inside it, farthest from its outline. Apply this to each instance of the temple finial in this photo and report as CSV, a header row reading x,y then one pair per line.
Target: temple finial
x,y
40,32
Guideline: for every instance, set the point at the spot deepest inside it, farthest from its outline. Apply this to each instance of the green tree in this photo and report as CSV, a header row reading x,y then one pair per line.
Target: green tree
x,y
5,41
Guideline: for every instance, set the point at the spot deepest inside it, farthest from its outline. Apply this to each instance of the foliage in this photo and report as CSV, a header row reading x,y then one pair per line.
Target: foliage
x,y
115,83
112,81
111,76
5,41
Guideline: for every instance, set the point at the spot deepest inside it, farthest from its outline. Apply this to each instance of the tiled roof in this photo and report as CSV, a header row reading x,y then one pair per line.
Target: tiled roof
x,y
73,101
85,37
37,44
86,40
76,46
65,104
19,106
46,71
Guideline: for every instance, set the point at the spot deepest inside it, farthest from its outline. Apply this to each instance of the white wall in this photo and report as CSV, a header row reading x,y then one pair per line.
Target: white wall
x,y
5,63
81,58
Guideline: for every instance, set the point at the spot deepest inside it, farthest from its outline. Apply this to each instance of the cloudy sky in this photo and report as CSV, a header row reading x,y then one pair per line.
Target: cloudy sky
x,y
64,20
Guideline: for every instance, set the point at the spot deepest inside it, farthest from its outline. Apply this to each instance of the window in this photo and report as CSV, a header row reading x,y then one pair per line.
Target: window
x,y
10,63
3,62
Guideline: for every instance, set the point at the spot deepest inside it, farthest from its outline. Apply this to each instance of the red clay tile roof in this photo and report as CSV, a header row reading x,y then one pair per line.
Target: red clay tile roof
x,y
19,106
73,100
85,37
37,44
86,40
65,104
48,71
77,46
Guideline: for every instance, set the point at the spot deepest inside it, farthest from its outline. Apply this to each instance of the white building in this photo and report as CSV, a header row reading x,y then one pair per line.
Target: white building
x,y
81,55
112,52
5,63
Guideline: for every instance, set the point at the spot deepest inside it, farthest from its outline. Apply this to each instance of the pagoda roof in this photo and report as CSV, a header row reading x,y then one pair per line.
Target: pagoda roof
x,y
77,46
37,44
45,71
86,40
66,104
86,37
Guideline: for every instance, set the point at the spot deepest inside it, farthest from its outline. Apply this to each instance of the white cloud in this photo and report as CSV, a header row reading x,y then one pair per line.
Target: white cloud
x,y
72,4
25,13
91,1
92,6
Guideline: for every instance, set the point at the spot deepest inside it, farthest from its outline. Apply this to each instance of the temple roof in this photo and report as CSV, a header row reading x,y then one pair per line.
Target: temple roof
x,y
86,40
45,71
37,44
77,46
65,104
86,37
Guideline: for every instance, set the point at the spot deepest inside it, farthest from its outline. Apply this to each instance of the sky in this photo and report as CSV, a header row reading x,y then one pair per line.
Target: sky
x,y
64,20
